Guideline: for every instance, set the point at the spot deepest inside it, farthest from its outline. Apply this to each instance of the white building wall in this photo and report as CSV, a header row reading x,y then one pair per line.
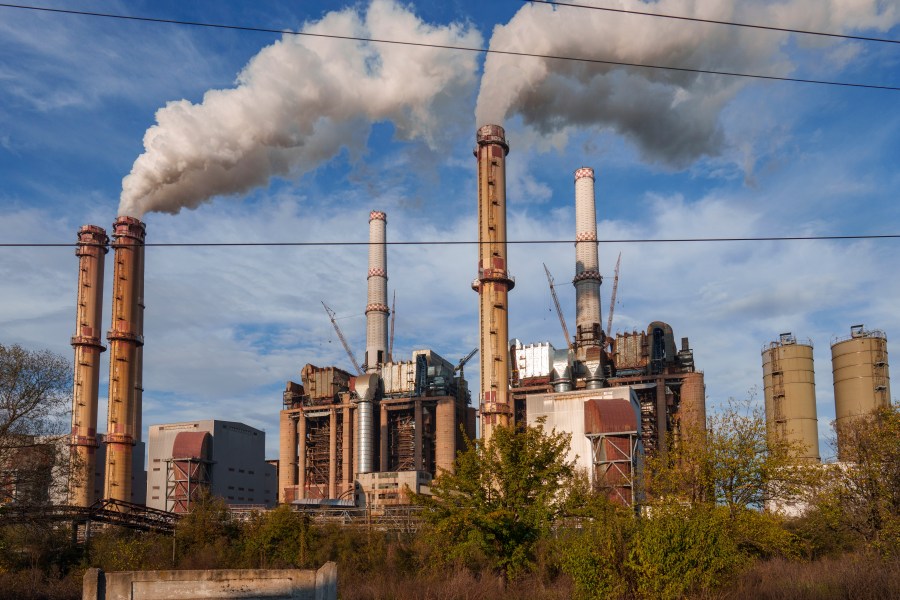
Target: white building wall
x,y
564,412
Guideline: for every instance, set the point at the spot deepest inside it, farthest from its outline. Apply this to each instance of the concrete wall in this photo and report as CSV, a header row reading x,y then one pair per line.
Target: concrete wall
x,y
239,473
222,584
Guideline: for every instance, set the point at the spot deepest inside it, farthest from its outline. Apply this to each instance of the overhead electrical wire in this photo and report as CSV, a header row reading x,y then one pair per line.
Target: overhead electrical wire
x,y
790,238
448,47
716,22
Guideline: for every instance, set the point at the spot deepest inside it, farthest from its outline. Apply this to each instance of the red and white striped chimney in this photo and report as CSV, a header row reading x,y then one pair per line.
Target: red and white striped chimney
x,y
377,310
587,267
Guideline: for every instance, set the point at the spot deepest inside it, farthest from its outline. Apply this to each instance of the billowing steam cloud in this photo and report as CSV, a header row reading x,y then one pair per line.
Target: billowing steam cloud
x,y
672,117
298,102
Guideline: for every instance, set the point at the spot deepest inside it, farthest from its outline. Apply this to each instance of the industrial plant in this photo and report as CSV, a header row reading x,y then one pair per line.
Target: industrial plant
x,y
370,437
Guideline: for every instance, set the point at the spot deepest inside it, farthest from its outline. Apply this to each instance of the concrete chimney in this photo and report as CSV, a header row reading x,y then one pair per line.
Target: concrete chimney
x,y
124,340
587,270
91,252
377,309
493,283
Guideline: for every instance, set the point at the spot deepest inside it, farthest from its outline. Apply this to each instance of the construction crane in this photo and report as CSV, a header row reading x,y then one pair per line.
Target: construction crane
x,y
340,335
393,314
612,302
562,320
462,363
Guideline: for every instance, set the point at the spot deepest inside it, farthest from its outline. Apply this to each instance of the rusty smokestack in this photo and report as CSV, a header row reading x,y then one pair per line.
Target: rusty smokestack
x,y
589,332
493,283
91,251
377,310
124,340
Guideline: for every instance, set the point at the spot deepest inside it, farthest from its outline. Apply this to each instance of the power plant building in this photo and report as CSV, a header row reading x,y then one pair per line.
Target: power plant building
x,y
224,458
789,387
355,438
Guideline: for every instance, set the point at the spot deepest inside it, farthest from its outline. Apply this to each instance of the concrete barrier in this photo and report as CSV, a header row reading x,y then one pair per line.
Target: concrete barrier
x,y
221,584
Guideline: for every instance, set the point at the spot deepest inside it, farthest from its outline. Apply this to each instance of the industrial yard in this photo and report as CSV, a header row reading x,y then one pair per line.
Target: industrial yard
x,y
459,301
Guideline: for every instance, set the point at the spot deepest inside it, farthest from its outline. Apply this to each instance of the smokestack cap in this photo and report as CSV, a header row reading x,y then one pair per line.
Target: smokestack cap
x,y
377,214
584,172
129,227
492,134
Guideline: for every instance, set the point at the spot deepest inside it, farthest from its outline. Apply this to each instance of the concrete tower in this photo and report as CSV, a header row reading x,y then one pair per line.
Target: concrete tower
x,y
91,252
494,282
377,310
587,267
124,340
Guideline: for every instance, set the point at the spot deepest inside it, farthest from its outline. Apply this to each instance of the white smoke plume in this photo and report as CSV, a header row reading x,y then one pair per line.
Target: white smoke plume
x,y
298,102
672,117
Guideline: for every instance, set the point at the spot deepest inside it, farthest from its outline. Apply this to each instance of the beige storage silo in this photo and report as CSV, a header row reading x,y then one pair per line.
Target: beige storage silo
x,y
861,379
789,385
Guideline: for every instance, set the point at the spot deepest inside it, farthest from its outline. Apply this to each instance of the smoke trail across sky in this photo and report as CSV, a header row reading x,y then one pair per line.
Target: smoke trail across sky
x,y
672,117
298,102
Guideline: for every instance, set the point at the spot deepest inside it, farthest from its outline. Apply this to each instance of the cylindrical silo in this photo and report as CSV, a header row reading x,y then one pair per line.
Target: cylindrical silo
x,y
789,385
861,379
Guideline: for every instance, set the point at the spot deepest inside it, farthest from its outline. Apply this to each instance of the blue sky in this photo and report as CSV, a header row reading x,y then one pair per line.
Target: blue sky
x,y
316,133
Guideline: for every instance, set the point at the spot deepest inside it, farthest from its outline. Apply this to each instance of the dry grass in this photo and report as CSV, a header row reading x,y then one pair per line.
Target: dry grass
x,y
857,576
452,585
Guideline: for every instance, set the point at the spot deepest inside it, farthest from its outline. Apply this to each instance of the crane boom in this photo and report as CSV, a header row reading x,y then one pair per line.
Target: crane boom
x,y
462,363
341,337
612,302
562,320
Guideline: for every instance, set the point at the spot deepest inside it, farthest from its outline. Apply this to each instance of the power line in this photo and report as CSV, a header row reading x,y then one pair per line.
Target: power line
x,y
450,47
715,22
791,238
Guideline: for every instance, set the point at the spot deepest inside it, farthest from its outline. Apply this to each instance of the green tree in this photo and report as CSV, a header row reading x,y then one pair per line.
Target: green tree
x,y
277,539
678,550
861,495
734,464
503,497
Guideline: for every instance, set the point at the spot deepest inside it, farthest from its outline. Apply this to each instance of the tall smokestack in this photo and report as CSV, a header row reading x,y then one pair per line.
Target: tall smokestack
x,y
124,340
587,270
377,309
91,252
493,283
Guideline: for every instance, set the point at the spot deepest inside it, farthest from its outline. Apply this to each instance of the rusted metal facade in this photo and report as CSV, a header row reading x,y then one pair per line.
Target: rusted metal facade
x,y
789,387
494,282
124,340
862,382
91,251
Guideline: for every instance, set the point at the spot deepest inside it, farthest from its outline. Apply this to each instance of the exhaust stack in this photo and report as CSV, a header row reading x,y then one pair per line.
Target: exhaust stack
x,y
377,310
587,280
493,283
91,252
125,339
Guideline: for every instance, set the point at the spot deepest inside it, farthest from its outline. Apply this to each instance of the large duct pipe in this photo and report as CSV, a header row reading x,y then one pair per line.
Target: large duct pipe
x,y
137,416
124,340
366,388
587,266
91,252
493,283
377,309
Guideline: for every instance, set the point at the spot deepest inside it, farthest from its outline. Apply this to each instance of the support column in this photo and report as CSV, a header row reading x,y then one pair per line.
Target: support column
x,y
661,416
301,455
445,435
417,433
383,441
332,454
346,451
